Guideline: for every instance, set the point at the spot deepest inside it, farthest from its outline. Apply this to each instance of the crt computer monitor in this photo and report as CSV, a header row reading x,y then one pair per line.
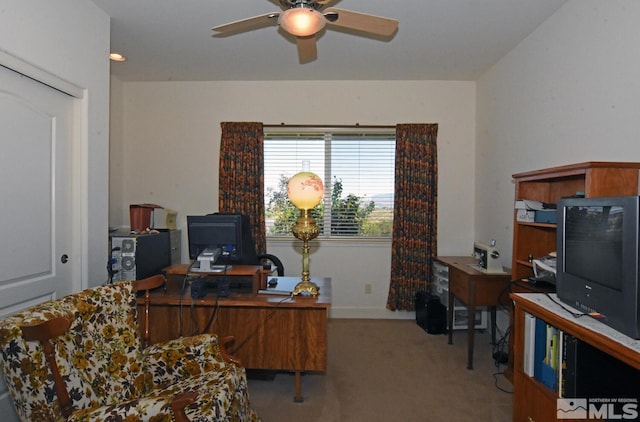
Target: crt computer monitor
x,y
229,232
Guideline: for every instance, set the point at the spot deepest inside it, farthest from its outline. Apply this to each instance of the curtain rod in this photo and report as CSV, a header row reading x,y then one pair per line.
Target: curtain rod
x,y
327,127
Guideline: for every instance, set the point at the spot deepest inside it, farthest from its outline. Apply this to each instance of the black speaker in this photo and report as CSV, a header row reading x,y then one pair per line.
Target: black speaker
x,y
198,288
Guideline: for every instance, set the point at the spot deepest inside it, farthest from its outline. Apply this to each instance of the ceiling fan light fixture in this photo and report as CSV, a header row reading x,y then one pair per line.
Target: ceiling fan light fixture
x,y
117,57
301,21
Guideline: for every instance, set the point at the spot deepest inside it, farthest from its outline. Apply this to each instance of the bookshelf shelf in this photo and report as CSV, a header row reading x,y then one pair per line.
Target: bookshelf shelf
x,y
593,179
534,401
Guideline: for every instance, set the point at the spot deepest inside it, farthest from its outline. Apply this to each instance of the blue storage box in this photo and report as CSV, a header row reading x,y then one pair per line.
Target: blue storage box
x,y
545,216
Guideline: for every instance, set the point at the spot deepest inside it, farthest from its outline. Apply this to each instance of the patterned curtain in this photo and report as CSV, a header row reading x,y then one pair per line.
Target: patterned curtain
x,y
241,189
414,240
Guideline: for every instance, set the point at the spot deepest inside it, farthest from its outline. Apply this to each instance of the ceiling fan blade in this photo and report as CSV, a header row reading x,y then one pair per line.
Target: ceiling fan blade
x,y
326,3
360,21
246,24
307,49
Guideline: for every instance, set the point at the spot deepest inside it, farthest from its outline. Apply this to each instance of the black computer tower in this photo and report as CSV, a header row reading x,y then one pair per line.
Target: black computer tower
x,y
138,256
431,314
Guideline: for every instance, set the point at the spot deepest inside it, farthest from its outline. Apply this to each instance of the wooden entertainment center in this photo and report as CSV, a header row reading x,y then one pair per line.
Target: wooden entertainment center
x,y
532,401
533,240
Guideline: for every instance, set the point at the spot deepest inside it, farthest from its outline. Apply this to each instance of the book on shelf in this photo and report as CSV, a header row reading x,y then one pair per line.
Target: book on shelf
x,y
542,352
529,343
540,339
567,383
549,372
571,367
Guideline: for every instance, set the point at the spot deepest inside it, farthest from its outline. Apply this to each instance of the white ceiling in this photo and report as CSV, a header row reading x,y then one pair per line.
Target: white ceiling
x,y
436,40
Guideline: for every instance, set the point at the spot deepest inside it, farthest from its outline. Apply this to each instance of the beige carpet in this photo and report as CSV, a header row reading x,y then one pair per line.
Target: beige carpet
x,y
391,370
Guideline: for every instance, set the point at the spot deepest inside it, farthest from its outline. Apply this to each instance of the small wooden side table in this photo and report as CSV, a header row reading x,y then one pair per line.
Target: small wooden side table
x,y
473,288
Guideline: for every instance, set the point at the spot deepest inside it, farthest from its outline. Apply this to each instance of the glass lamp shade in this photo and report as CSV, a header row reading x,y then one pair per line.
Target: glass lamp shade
x,y
301,22
305,190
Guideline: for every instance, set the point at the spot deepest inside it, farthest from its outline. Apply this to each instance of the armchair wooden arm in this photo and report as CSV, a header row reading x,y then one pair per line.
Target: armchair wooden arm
x,y
43,333
179,402
146,285
223,342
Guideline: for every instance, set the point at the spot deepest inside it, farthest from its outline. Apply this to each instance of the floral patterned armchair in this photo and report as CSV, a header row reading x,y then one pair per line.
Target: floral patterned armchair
x,y
80,358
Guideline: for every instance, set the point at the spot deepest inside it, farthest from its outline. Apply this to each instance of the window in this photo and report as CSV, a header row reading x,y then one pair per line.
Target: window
x,y
357,167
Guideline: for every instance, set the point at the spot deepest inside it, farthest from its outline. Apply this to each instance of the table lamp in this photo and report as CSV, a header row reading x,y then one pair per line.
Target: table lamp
x,y
305,190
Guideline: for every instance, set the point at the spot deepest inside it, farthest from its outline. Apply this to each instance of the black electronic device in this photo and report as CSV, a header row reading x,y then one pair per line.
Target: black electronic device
x,y
589,372
138,256
198,288
228,232
431,314
220,286
598,247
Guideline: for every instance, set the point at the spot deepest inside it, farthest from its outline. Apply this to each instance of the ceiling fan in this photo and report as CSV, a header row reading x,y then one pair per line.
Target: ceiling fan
x,y
304,19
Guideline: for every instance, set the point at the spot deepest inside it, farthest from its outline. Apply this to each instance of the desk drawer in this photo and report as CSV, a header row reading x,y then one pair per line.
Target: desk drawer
x,y
440,283
459,286
440,269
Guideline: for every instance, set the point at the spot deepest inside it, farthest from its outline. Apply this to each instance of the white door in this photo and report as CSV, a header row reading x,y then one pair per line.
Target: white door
x,y
36,128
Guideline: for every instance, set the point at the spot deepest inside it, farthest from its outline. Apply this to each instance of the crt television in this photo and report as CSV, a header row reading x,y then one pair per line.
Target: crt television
x,y
229,232
598,259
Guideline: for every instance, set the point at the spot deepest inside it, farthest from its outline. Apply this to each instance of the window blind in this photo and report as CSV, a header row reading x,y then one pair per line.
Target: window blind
x,y
357,167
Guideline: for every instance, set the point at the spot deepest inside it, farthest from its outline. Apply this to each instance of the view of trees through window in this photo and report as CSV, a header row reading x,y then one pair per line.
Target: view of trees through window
x,y
358,173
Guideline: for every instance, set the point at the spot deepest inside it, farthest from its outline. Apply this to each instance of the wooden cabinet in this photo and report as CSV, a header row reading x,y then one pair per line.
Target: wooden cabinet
x,y
593,179
533,401
533,240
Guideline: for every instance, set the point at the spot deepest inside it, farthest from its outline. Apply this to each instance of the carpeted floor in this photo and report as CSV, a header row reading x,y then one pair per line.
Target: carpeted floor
x,y
391,370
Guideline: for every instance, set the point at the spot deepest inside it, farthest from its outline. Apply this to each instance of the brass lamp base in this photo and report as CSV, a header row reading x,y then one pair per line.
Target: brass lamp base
x,y
306,288
305,229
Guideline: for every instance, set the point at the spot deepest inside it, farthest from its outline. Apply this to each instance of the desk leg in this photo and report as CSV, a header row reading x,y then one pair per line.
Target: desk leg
x,y
493,324
450,319
298,397
471,323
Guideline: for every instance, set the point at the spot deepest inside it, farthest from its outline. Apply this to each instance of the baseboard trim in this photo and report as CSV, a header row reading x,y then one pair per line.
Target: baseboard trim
x,y
368,313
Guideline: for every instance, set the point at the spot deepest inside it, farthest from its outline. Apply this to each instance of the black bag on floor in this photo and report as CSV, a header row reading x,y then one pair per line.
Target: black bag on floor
x,y
431,314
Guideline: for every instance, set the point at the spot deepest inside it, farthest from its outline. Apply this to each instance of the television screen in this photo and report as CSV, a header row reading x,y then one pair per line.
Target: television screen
x,y
598,259
593,244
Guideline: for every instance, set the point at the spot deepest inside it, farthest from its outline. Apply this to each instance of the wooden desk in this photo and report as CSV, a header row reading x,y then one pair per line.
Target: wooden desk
x,y
258,274
271,332
473,288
